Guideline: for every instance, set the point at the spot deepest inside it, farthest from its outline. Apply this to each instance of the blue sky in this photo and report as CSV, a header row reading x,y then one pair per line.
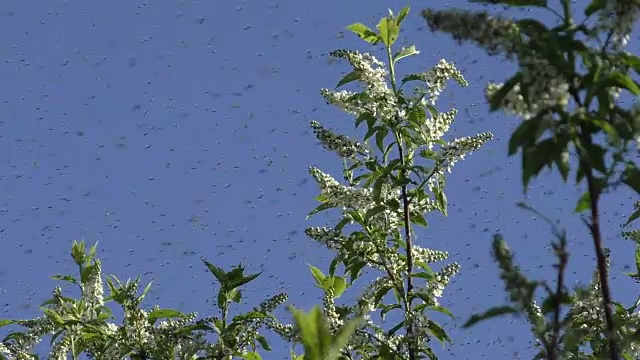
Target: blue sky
x,y
174,130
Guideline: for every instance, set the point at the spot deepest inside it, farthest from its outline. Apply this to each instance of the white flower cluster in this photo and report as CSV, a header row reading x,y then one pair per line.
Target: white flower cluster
x,y
515,103
437,77
354,198
436,127
341,144
497,35
456,150
377,99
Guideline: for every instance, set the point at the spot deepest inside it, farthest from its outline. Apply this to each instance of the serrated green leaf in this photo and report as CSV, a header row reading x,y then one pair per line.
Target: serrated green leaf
x,y
318,276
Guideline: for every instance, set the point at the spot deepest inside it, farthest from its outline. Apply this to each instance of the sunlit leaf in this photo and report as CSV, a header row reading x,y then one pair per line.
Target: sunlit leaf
x,y
364,33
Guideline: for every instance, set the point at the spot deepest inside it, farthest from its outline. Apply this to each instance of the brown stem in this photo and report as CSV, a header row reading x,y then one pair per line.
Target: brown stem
x,y
407,235
563,259
594,195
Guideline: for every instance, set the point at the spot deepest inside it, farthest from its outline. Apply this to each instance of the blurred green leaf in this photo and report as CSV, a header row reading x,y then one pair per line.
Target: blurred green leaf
x,y
596,5
535,158
540,3
491,313
497,98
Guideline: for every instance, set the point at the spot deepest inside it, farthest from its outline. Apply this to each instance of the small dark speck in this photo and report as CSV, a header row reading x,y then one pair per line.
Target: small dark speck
x,y
132,62
200,20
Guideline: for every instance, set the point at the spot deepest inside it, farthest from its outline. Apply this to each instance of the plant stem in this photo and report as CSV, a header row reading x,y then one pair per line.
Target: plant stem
x,y
407,235
563,258
594,195
407,224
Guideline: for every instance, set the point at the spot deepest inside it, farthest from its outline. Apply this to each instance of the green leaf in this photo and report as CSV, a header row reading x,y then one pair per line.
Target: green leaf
x,y
374,211
364,33
443,310
419,219
241,280
596,157
342,337
631,177
596,5
5,322
339,286
441,199
535,158
66,278
539,3
263,342
388,30
219,274
251,356
380,136
318,276
402,15
638,259
156,314
491,313
437,331
633,217
321,207
620,80
377,189
350,77
497,98
388,308
315,334
411,50
632,60
584,203
528,133
53,316
78,252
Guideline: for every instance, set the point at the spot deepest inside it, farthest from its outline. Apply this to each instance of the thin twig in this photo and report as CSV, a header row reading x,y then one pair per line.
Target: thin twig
x,y
563,258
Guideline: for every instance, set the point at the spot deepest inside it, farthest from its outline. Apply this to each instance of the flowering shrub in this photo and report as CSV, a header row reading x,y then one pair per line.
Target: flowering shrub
x,y
567,87
84,325
384,196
